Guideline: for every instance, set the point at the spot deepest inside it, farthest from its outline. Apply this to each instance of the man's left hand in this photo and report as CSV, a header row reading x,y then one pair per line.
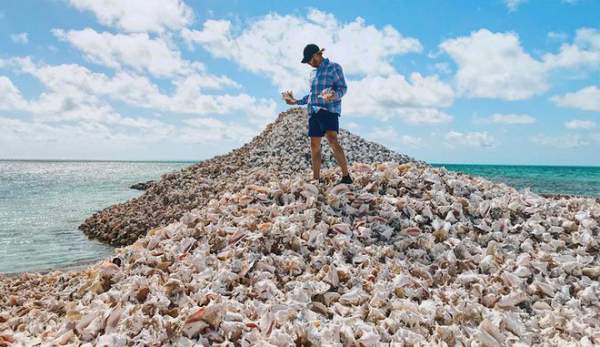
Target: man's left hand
x,y
329,96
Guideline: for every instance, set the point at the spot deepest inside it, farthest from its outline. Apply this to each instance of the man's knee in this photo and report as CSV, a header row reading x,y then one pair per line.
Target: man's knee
x,y
335,145
331,137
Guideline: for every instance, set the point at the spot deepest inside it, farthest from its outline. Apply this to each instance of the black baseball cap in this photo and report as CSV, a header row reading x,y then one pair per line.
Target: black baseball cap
x,y
309,50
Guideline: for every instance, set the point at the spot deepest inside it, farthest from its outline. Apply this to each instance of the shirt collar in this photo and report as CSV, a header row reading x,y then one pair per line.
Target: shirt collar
x,y
324,63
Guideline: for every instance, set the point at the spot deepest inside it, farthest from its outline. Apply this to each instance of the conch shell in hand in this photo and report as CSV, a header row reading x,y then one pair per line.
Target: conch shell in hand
x,y
327,93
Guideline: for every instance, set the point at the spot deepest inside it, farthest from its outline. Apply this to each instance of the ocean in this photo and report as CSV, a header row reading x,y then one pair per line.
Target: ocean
x,y
43,202
569,180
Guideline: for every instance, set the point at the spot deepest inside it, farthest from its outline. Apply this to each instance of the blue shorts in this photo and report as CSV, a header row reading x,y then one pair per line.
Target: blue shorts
x,y
321,122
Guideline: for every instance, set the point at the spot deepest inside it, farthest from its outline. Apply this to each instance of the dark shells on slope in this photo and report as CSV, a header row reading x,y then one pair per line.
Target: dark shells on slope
x,y
282,147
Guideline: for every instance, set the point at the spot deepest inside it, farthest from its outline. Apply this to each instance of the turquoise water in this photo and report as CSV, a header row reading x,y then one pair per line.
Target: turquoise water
x,y
43,202
572,180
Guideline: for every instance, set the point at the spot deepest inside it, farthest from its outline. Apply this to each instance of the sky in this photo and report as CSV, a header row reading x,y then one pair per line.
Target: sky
x,y
486,82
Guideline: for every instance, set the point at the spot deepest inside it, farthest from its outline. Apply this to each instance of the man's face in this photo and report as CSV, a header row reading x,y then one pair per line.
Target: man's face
x,y
315,60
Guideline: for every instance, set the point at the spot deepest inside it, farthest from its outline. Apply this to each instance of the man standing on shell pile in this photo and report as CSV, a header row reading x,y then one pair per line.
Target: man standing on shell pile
x,y
324,103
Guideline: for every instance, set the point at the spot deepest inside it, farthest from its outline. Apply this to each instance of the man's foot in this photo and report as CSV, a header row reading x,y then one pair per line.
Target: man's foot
x,y
346,180
317,181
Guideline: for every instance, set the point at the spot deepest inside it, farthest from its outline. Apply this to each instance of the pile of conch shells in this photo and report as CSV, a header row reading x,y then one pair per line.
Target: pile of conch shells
x,y
283,147
407,255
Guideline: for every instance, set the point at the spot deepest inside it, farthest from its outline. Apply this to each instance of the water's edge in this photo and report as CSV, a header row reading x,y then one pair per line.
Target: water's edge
x,y
42,203
545,180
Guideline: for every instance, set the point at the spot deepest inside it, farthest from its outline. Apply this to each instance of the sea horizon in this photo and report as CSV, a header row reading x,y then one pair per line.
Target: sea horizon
x,y
435,163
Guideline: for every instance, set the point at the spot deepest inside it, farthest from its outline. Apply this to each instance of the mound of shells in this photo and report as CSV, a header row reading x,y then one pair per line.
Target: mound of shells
x,y
407,255
282,147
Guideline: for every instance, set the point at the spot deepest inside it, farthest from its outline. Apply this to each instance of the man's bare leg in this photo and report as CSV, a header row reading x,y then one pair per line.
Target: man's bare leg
x,y
315,149
338,151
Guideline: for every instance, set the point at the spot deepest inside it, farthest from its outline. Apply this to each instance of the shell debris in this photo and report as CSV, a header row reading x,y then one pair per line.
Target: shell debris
x,y
266,258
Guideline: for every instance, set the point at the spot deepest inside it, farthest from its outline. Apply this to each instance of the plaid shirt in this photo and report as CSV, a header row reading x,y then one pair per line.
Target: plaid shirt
x,y
327,75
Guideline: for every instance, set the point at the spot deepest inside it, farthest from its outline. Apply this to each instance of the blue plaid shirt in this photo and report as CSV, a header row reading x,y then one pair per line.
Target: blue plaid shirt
x,y
327,75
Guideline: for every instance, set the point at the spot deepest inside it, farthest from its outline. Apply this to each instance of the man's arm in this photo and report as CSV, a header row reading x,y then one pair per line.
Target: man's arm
x,y
303,101
339,83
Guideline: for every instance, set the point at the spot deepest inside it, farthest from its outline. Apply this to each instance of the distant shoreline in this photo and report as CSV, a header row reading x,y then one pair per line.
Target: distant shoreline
x,y
102,161
199,160
567,196
78,266
522,165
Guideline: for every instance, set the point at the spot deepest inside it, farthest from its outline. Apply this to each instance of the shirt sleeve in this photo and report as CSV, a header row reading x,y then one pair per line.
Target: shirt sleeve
x,y
339,83
302,101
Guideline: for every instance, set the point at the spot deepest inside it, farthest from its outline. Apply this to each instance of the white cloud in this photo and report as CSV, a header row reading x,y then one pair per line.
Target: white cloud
x,y
587,99
473,139
272,45
59,107
423,116
74,112
75,92
442,67
211,130
565,141
215,35
390,137
395,91
131,140
580,124
411,141
139,15
382,135
583,52
416,101
512,118
513,5
16,130
494,65
136,51
128,130
75,101
20,38
125,130
10,96
352,126
206,82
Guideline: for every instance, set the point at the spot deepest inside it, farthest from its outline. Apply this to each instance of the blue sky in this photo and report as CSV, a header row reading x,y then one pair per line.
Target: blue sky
x,y
510,82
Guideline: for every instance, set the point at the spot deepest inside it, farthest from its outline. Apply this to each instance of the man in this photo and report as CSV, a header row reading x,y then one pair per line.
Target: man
x,y
324,108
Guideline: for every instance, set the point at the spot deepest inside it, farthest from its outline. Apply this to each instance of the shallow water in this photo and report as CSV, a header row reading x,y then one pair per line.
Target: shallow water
x,y
570,180
43,202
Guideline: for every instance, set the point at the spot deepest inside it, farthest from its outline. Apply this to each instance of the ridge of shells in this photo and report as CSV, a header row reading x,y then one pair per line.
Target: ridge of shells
x,y
407,255
282,147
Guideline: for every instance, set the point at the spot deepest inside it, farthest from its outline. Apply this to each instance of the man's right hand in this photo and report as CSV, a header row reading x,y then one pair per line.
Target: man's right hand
x,y
288,97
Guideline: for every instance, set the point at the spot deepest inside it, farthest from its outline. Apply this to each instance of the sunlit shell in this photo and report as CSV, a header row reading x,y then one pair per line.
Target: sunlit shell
x,y
406,255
